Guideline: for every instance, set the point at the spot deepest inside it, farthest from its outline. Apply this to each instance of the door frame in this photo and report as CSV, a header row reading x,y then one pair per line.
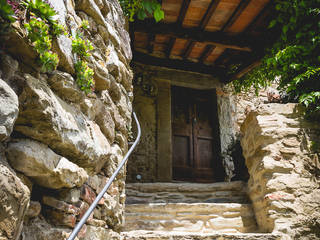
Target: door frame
x,y
164,133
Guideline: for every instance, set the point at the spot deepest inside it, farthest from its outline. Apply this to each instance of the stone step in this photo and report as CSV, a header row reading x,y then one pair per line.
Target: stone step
x,y
222,192
158,235
191,217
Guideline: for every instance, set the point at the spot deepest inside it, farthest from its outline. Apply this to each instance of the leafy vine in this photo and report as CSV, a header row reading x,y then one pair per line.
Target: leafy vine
x,y
294,59
142,9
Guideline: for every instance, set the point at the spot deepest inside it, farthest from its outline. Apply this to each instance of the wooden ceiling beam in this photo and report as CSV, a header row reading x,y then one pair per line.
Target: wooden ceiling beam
x,y
151,39
178,64
214,38
245,69
206,52
182,15
242,5
183,11
262,15
212,7
188,49
171,43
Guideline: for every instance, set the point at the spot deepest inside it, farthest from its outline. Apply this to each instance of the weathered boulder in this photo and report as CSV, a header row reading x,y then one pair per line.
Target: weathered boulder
x,y
9,108
39,229
97,233
65,129
14,199
65,87
63,46
8,66
101,77
91,8
45,167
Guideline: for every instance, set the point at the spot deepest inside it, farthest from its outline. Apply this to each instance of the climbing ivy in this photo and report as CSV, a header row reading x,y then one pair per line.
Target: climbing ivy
x,y
142,9
294,59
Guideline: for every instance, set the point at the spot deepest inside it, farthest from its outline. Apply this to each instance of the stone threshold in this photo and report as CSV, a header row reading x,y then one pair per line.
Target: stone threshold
x,y
155,235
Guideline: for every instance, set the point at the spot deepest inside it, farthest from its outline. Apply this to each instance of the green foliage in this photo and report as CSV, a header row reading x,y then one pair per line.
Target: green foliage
x,y
81,47
6,12
142,9
294,59
84,25
49,61
82,50
41,28
43,10
84,76
6,16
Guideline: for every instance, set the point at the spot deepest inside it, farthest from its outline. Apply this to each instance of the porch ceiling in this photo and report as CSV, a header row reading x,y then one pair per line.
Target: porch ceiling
x,y
224,38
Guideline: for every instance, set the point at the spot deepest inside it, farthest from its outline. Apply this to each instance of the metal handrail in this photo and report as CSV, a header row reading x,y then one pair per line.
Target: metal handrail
x,y
100,195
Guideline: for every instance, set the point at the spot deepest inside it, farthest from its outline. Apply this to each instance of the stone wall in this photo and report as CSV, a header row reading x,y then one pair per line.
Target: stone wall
x,y
59,145
282,155
232,110
143,162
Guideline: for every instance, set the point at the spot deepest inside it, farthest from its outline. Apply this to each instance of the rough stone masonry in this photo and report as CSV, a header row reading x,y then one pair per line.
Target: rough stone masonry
x,y
281,149
59,146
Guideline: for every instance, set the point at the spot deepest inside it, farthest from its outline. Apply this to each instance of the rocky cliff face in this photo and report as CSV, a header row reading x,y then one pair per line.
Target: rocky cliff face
x,y
282,155
59,145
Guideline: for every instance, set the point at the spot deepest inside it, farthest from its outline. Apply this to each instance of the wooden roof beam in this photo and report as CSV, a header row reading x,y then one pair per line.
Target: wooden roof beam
x,y
212,7
268,8
170,46
151,39
182,15
242,5
178,64
206,52
188,49
183,11
245,69
214,38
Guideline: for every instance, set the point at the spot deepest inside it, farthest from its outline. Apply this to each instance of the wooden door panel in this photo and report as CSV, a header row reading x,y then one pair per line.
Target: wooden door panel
x,y
181,155
194,136
205,153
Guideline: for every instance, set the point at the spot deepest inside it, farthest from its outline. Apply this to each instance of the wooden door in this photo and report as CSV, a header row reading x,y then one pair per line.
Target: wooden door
x,y
195,139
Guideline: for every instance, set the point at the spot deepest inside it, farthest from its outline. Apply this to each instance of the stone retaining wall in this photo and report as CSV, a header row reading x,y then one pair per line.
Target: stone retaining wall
x,y
282,155
59,145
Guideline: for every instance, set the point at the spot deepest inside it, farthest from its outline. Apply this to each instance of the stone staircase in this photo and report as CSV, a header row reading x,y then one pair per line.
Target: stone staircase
x,y
189,211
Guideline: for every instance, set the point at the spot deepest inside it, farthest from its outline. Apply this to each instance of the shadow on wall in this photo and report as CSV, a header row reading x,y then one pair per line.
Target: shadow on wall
x,y
234,162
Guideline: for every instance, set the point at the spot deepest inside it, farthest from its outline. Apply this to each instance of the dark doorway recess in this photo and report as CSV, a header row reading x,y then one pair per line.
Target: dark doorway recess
x,y
195,136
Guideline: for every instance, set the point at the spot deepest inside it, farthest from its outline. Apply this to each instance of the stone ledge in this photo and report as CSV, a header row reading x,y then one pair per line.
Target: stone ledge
x,y
155,235
195,217
186,187
222,192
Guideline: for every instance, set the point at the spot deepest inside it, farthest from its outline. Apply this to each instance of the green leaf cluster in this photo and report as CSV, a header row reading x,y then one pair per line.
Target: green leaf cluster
x,y
41,29
82,49
38,33
6,16
43,10
84,76
142,9
294,59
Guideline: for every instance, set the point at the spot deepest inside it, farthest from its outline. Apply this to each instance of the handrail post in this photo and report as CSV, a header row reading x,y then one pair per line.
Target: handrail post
x,y
103,191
